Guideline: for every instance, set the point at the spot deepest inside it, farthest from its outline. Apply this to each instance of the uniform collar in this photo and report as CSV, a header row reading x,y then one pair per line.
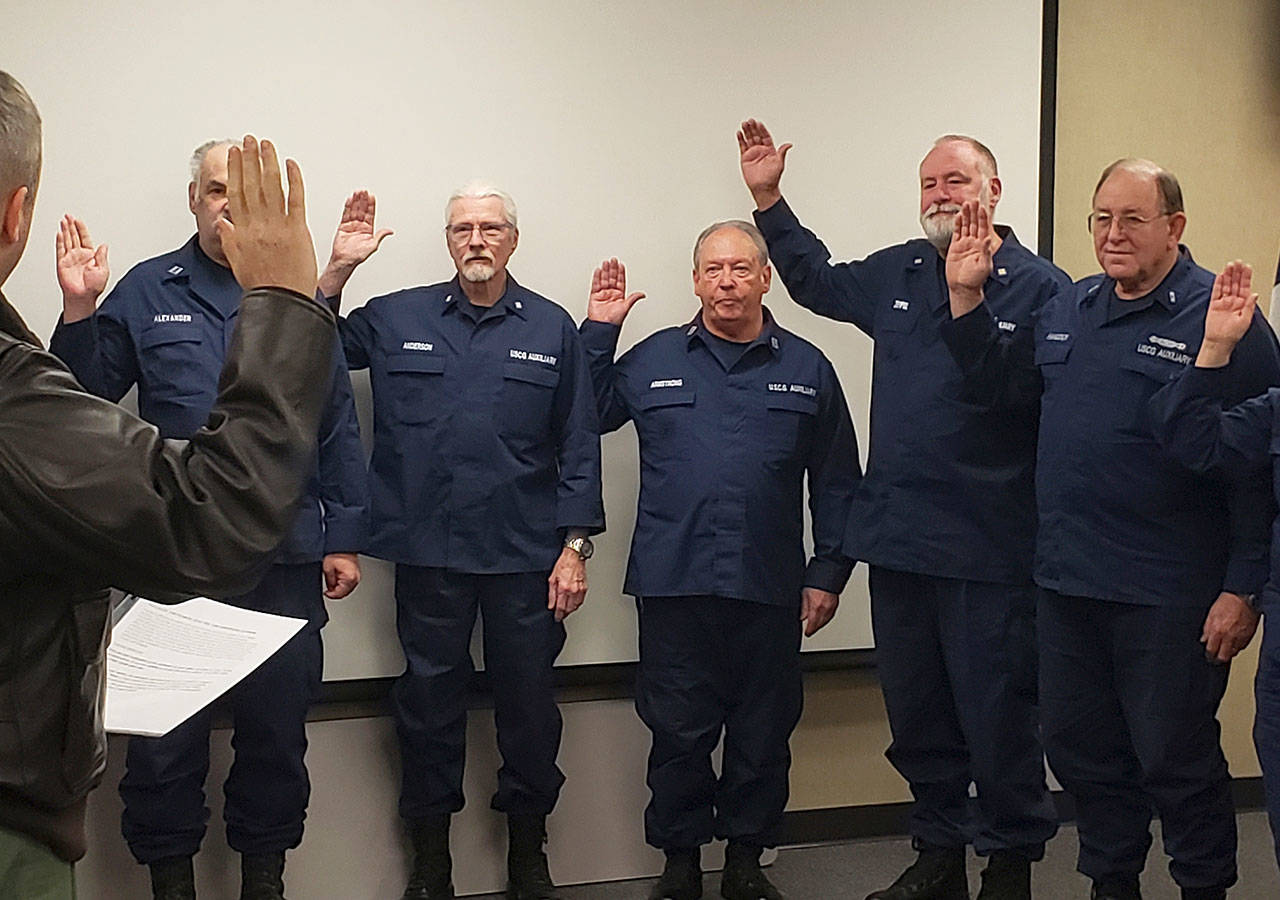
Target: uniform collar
x,y
214,284
512,302
1002,263
770,336
1168,293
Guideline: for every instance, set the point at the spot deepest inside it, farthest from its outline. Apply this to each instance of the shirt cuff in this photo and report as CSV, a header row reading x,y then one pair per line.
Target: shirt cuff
x,y
828,574
1245,576
584,515
969,335
73,341
600,336
345,533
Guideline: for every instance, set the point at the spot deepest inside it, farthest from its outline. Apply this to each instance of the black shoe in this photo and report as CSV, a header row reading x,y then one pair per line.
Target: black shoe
x,y
1204,893
935,875
432,875
173,878
742,878
1006,877
1122,887
262,876
681,876
527,875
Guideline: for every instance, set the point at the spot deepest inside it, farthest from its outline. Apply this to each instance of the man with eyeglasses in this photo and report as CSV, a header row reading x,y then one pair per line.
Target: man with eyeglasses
x,y
944,518
1147,571
486,486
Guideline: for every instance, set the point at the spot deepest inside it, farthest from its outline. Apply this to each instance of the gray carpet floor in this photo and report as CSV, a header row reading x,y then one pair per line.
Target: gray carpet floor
x,y
852,870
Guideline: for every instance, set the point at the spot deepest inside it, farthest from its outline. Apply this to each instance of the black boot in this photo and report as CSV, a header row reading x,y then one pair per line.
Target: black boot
x,y
173,878
262,876
742,879
432,875
527,875
1204,893
1006,877
936,874
681,876
1121,887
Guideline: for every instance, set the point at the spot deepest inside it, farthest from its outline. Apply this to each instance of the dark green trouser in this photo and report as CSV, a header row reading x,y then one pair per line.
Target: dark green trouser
x,y
30,871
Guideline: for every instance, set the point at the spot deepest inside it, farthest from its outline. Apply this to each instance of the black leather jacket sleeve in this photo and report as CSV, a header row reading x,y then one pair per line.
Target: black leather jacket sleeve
x,y
91,495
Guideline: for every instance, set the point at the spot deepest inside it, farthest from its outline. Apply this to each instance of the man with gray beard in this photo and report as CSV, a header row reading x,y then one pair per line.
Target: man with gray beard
x,y
485,478
944,518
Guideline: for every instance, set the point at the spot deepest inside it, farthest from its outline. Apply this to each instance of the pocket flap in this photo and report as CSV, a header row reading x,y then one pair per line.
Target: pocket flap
x,y
168,333
531,374
415,362
1049,352
665,397
796,402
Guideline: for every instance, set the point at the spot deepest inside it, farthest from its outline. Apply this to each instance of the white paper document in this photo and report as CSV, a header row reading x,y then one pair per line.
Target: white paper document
x,y
166,663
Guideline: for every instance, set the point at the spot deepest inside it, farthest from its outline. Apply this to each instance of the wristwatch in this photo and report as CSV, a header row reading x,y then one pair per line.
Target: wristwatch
x,y
581,546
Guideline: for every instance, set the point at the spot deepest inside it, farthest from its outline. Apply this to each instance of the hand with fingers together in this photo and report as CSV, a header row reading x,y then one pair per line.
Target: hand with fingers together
x,y
762,163
567,584
969,257
82,270
609,300
1231,305
267,242
817,608
354,242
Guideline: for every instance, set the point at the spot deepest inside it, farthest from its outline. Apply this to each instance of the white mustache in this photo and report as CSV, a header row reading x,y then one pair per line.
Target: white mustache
x,y
941,209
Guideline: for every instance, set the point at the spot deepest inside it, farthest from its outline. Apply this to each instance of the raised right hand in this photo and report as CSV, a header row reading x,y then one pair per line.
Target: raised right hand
x,y
267,241
969,258
762,163
1230,311
609,300
82,270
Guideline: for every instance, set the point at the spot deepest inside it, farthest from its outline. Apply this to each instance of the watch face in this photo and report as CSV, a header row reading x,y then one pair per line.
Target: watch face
x,y
582,546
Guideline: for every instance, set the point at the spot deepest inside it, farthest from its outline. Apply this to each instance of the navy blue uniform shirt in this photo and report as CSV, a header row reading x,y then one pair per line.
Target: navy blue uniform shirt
x,y
1120,519
949,485
485,442
166,327
723,454
1240,442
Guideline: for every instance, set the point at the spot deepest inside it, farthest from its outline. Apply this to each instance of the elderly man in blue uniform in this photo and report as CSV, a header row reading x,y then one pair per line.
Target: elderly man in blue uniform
x,y
945,517
1191,424
1146,569
731,412
166,328
486,484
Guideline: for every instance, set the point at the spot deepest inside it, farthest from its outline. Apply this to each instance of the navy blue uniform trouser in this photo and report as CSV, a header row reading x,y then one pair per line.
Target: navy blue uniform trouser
x,y
435,614
267,789
957,665
707,665
1266,724
1129,717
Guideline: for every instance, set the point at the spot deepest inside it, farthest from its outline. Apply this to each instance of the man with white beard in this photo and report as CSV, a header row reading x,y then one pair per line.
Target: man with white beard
x,y
485,478
945,519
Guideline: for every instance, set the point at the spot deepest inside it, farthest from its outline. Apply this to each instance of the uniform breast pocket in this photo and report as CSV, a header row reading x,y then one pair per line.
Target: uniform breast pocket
x,y
528,392
789,420
899,317
1051,359
664,419
1142,376
416,383
170,357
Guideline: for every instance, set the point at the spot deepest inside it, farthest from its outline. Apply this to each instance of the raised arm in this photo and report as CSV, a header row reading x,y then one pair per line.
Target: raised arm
x,y
607,307
354,242
92,490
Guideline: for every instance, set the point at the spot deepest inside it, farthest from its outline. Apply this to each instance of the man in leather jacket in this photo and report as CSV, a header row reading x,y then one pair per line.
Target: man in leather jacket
x,y
92,497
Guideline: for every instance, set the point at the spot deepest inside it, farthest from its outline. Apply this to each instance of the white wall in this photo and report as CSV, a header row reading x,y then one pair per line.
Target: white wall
x,y
612,124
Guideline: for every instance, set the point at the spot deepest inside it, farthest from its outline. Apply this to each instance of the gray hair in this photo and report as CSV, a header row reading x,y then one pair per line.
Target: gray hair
x,y
198,154
479,190
751,231
1166,182
20,153
987,159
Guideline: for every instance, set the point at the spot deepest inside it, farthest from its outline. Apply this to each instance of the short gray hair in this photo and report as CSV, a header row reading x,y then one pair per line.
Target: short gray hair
x,y
198,154
751,231
479,190
20,153
987,159
1166,182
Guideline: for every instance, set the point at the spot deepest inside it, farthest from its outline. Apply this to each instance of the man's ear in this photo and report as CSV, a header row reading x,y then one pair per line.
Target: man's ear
x,y
14,216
